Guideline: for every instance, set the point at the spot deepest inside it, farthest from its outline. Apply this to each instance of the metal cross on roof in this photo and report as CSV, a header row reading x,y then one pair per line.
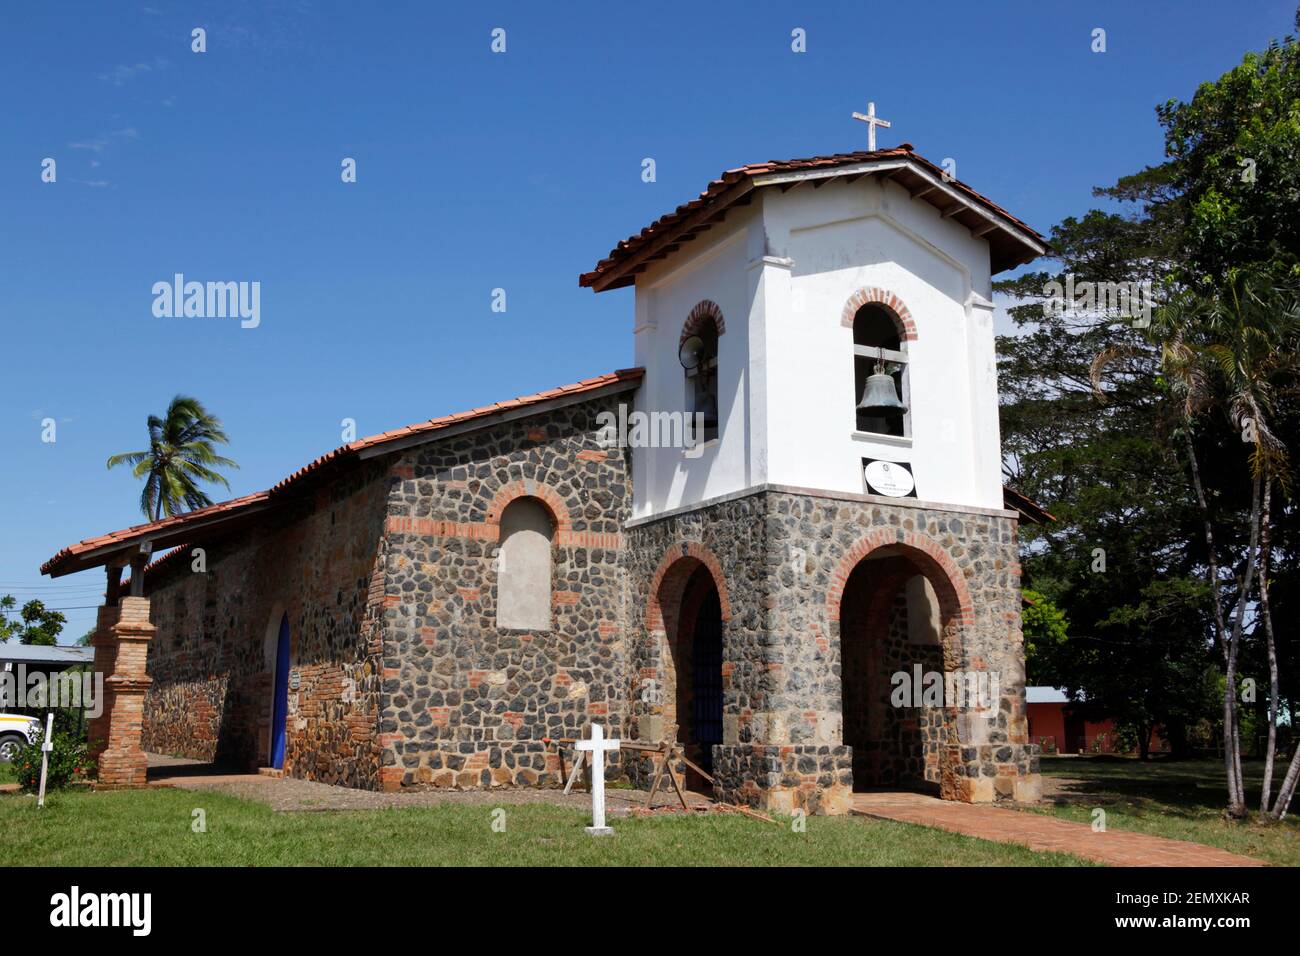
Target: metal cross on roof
x,y
869,117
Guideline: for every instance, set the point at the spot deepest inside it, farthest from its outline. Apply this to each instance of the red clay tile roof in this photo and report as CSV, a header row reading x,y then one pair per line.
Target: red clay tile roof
x,y
65,561
1027,506
140,530
734,185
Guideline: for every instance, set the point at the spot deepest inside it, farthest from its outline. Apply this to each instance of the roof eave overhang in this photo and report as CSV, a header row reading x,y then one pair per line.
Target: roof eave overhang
x,y
196,527
1025,507
118,554
982,221
987,221
690,226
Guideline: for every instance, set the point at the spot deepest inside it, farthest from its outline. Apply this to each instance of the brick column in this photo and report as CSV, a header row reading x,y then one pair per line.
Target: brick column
x,y
105,657
121,644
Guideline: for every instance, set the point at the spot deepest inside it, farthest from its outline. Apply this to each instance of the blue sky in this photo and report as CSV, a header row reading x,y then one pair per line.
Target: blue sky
x,y
475,171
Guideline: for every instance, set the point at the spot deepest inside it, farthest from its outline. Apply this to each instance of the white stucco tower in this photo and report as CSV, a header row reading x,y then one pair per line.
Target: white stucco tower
x,y
781,256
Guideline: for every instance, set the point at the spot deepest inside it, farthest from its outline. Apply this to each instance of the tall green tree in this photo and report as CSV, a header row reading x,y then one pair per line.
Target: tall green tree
x,y
1136,479
35,624
1233,349
181,455
1125,512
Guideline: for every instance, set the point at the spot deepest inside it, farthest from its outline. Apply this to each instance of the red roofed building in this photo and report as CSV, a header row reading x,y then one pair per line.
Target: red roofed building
x,y
1057,729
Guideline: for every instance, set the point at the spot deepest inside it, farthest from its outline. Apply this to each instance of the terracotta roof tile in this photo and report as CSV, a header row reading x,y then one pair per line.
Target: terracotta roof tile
x,y
627,248
1027,506
338,454
135,531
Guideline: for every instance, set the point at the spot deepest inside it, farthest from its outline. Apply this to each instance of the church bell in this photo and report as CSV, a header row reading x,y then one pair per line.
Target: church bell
x,y
880,397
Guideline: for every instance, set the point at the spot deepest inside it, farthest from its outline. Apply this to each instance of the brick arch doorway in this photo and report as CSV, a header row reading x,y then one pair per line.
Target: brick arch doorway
x,y
697,663
899,623
686,623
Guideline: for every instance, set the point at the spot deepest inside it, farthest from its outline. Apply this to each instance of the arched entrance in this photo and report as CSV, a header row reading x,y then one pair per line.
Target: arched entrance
x,y
687,616
899,618
280,699
698,664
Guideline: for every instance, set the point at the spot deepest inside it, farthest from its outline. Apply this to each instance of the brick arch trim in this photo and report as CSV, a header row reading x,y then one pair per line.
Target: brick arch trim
x,y
950,584
530,489
673,559
705,311
873,295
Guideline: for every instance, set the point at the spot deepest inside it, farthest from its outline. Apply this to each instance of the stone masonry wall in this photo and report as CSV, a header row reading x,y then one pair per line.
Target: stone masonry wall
x,y
781,559
728,538
971,558
390,576
465,702
213,658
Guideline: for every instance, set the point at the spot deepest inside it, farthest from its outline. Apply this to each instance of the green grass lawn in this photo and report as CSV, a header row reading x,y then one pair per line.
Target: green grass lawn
x,y
153,827
1182,800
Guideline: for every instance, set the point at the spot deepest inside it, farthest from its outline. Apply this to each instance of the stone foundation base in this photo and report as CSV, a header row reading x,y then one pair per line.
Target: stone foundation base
x,y
992,773
782,779
520,764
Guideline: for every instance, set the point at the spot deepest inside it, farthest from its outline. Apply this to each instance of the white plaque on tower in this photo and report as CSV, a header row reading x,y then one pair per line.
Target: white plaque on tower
x,y
890,478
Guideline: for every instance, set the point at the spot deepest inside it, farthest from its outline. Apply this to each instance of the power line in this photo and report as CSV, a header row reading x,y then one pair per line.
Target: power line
x,y
14,590
74,608
50,590
46,594
47,584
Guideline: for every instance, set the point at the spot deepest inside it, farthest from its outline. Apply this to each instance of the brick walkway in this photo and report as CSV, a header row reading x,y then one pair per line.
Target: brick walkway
x,y
1040,832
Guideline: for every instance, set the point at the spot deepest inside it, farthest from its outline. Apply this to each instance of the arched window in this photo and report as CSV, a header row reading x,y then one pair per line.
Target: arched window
x,y
878,346
524,566
698,353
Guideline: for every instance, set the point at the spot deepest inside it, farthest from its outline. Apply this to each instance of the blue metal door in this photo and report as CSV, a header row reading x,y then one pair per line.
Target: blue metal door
x,y
280,710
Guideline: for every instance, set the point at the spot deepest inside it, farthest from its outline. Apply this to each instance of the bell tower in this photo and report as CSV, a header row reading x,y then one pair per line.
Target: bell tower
x,y
845,307
828,324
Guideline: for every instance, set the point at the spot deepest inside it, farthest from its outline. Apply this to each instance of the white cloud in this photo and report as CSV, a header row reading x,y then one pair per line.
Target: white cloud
x,y
123,73
101,142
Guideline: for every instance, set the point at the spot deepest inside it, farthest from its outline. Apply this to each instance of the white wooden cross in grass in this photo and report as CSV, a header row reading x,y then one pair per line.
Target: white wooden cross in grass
x,y
595,748
869,117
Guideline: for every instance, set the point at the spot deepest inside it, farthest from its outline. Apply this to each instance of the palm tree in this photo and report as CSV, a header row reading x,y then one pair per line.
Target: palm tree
x,y
180,455
1238,348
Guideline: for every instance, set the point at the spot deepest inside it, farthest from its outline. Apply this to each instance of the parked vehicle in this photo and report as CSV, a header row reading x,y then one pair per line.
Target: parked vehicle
x,y
16,732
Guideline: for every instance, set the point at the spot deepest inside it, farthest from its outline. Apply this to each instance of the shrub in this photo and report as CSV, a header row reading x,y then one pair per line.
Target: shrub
x,y
70,761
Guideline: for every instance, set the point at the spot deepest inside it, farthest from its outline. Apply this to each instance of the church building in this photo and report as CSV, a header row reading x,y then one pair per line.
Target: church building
x,y
780,539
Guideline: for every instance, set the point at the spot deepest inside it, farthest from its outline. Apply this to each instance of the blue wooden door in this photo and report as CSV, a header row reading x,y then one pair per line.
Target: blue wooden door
x,y
280,710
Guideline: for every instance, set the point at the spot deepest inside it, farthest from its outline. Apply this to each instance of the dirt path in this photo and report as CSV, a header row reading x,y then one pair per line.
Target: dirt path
x,y
287,793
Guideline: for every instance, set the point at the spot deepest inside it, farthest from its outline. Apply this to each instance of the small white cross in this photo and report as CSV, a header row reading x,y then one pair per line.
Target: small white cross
x,y
869,117
596,746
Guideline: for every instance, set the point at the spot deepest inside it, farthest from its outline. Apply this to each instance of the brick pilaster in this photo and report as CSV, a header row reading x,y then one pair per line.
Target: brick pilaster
x,y
121,643
105,657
